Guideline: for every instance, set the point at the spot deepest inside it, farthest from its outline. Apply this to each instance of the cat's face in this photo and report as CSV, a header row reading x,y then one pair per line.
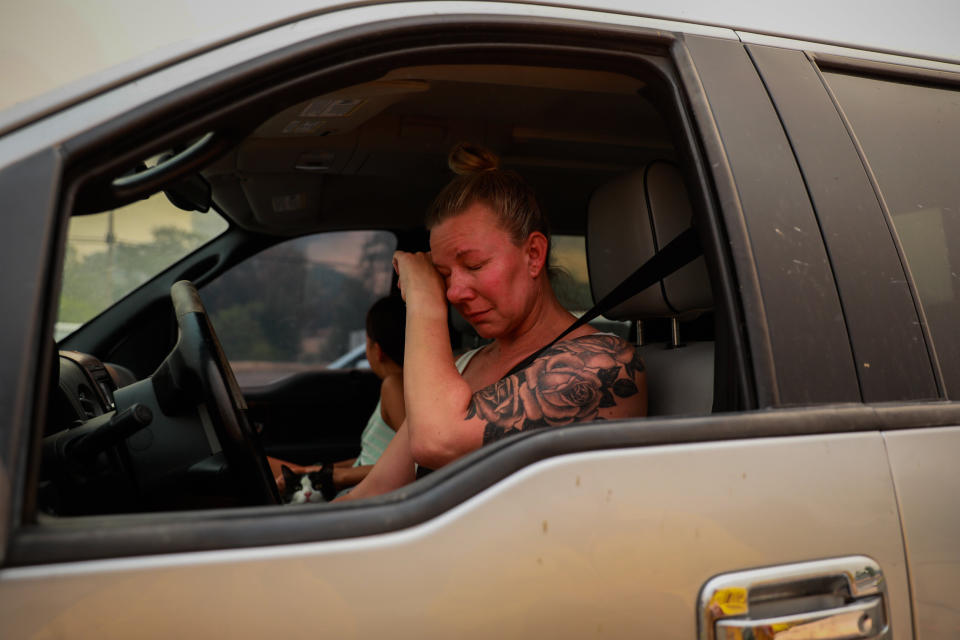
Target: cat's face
x,y
301,489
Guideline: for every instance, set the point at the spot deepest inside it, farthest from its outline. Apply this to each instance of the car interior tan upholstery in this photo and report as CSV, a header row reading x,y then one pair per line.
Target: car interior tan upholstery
x,y
629,220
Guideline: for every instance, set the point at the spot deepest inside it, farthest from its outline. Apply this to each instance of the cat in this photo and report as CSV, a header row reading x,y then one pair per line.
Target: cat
x,y
301,488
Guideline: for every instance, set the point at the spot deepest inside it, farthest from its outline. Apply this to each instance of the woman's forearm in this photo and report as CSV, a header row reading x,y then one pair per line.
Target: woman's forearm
x,y
394,469
436,397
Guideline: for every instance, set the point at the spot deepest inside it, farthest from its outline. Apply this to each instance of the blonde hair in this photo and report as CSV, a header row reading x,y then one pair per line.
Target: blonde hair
x,y
480,179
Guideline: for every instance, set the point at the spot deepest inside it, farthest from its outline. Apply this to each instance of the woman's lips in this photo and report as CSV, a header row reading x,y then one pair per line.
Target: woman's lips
x,y
474,315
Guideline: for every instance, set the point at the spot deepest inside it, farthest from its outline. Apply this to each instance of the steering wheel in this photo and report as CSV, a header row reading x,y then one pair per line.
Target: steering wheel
x,y
178,439
197,372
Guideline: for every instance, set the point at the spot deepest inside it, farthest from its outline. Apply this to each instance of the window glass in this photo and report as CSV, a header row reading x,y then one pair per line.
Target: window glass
x,y
112,253
568,272
571,281
301,304
910,135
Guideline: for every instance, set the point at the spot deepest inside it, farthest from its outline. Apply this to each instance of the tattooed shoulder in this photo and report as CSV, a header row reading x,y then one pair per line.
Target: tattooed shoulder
x,y
576,380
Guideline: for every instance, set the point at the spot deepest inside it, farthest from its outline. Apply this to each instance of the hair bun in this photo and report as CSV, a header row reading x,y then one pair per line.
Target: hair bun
x,y
466,158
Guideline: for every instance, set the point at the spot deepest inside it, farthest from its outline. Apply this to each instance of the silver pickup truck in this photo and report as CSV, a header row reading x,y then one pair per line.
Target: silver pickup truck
x,y
193,237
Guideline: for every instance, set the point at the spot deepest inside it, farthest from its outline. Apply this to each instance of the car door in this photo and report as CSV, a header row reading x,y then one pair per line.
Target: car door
x,y
607,529
894,232
28,184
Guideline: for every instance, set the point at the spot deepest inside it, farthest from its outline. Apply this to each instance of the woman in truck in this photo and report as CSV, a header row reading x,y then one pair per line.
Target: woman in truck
x,y
489,248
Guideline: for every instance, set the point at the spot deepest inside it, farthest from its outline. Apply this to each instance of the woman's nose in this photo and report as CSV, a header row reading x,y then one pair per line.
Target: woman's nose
x,y
457,290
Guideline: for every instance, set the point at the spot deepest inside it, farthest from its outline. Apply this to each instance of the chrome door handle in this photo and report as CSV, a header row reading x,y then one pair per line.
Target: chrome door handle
x,y
861,620
838,599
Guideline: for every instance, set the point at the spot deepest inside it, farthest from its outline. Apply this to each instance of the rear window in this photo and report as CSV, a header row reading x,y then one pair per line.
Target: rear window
x,y
571,281
910,135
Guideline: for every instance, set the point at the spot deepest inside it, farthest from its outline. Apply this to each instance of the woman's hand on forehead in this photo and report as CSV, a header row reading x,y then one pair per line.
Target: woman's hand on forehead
x,y
420,283
397,255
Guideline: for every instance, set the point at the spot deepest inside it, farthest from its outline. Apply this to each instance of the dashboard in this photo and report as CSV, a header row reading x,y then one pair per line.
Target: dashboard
x,y
85,390
77,470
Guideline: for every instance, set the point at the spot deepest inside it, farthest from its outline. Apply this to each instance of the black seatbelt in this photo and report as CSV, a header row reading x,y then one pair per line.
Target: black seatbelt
x,y
679,252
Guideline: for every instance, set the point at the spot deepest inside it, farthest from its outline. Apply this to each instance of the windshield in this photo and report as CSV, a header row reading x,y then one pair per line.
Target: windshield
x,y
112,253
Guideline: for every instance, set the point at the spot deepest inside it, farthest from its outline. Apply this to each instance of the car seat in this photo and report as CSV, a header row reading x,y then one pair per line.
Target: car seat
x,y
629,219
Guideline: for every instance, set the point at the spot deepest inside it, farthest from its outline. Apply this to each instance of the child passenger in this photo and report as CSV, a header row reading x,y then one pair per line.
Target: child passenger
x,y
385,337
385,327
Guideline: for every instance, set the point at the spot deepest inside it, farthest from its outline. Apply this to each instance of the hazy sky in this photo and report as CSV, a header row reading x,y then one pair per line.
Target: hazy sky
x,y
45,44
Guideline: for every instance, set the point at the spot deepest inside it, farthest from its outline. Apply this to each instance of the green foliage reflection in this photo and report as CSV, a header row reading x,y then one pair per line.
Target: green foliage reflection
x,y
94,280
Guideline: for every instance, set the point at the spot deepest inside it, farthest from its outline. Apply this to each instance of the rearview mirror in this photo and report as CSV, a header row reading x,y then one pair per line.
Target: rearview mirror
x,y
190,193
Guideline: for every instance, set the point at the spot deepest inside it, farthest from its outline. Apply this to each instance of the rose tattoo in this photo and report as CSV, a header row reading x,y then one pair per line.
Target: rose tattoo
x,y
501,403
568,383
564,390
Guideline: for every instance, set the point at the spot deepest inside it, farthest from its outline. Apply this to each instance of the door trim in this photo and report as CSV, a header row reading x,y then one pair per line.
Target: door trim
x,y
97,537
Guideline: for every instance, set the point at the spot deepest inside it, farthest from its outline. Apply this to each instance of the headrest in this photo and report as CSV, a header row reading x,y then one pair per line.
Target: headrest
x,y
628,220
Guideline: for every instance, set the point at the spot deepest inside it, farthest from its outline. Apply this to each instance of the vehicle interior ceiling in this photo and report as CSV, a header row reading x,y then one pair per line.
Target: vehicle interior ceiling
x,y
566,131
373,156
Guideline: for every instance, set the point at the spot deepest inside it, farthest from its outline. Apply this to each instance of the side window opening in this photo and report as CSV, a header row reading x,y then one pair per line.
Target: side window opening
x,y
299,306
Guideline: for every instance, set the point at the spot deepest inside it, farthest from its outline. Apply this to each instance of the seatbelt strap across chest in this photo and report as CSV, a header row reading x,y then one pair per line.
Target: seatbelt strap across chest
x,y
678,253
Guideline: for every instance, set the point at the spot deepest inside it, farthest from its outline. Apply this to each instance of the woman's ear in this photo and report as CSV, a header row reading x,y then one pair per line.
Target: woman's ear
x,y
536,250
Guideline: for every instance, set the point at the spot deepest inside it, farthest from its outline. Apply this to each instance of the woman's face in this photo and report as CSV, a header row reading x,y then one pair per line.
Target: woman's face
x,y
487,277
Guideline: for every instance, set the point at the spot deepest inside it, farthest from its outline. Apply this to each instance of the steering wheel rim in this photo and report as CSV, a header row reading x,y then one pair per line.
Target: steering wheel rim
x,y
203,365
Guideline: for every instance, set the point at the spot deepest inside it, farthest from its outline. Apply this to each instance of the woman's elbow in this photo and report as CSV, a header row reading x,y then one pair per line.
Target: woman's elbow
x,y
434,452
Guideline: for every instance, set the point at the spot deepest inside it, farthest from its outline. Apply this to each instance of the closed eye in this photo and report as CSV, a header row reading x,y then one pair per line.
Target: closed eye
x,y
477,266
